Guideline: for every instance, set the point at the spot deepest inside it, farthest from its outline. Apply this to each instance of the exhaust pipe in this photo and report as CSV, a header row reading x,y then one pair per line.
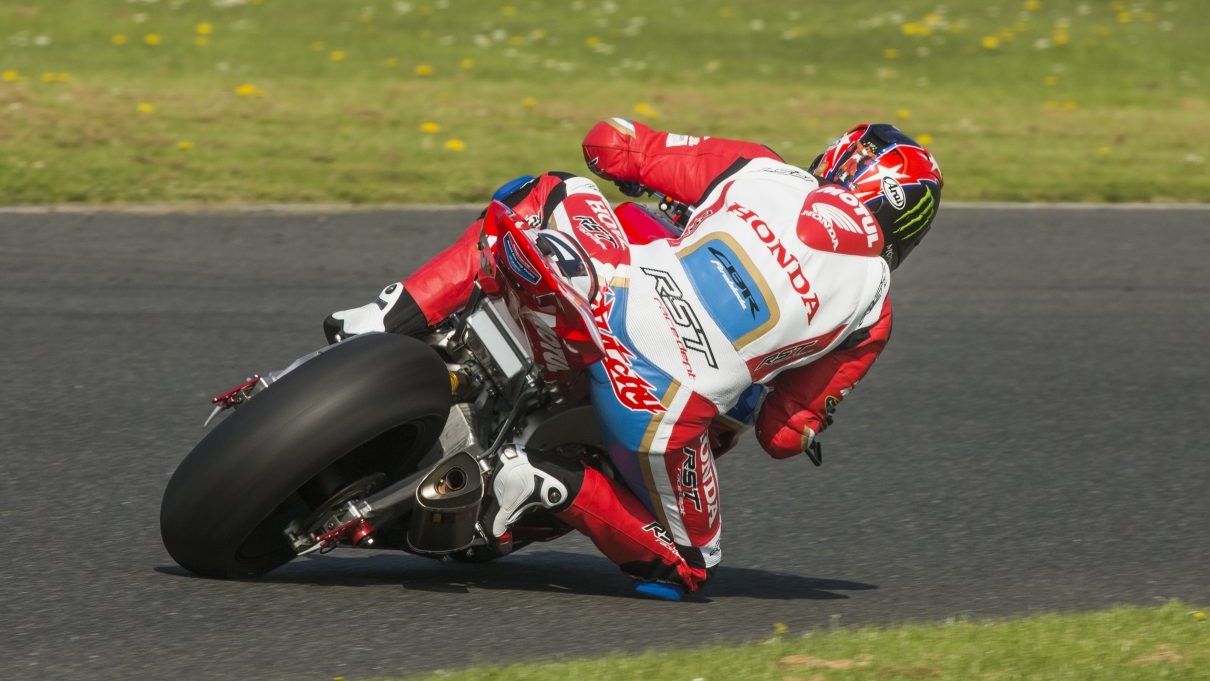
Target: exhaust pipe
x,y
447,506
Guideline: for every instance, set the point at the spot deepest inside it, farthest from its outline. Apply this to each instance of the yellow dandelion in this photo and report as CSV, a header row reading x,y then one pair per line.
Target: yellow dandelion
x,y
1125,17
338,55
990,42
49,77
9,76
1032,5
145,108
63,77
203,29
903,114
466,64
779,628
529,102
724,12
1060,36
508,11
430,128
117,40
455,145
592,41
1069,105
184,145
424,70
201,40
1104,150
1050,81
516,40
538,33
925,139
391,62
249,90
318,46
644,109
890,53
152,39
1198,614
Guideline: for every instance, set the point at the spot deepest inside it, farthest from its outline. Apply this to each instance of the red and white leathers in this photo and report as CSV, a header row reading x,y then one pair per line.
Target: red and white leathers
x,y
775,281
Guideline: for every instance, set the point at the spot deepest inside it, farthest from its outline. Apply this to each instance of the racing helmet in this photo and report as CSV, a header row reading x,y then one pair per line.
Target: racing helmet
x,y
896,178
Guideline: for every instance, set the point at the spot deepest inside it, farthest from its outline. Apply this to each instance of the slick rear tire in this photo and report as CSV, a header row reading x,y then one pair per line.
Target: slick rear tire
x,y
371,404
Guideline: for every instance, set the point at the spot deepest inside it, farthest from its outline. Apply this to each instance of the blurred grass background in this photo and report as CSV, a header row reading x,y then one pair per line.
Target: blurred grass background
x,y
435,101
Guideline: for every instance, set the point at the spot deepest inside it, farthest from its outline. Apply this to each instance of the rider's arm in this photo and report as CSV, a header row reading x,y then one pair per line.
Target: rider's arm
x,y
803,399
681,166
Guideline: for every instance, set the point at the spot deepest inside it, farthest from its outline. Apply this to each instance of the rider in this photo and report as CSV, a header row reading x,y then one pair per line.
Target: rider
x,y
780,280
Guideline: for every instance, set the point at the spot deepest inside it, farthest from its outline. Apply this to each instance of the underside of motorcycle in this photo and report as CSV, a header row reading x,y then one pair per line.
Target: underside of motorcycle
x,y
379,441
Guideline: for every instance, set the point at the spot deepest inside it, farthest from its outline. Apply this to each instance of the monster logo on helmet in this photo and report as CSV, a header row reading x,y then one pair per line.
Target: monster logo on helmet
x,y
893,175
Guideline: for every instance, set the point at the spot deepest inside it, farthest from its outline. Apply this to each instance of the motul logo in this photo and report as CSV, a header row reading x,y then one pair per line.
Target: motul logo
x,y
869,226
785,259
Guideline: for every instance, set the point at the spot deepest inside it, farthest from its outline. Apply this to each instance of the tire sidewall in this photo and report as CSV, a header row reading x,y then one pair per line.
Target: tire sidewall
x,y
302,424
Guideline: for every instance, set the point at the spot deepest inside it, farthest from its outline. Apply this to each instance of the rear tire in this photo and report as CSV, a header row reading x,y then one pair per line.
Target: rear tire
x,y
372,404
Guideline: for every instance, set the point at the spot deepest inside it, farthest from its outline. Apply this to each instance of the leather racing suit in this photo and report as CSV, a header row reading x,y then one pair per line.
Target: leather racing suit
x,y
776,281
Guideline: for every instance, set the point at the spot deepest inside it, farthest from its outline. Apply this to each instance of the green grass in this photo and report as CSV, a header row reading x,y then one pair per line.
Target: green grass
x,y
1122,644
429,101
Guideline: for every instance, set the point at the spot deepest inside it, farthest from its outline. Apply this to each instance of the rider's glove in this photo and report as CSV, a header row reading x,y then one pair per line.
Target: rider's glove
x,y
394,310
632,189
811,447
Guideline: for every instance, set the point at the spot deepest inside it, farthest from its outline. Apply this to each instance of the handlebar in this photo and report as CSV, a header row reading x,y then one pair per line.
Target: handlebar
x,y
675,210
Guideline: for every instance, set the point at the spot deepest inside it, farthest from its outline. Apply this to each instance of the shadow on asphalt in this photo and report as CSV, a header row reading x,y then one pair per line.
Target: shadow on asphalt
x,y
549,572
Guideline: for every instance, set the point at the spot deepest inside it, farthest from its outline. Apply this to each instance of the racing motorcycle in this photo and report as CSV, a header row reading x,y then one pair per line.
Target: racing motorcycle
x,y
388,441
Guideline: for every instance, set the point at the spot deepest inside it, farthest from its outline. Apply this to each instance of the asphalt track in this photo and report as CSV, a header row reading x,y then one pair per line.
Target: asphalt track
x,y
1033,439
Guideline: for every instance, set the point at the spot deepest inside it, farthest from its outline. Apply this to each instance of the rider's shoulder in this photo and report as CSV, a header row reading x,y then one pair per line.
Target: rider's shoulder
x,y
773,169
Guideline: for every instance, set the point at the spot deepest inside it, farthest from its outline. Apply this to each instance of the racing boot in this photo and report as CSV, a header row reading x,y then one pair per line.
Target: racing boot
x,y
518,485
394,310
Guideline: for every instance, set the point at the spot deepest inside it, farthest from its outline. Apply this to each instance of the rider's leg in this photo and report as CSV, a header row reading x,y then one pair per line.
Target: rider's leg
x,y
604,510
442,286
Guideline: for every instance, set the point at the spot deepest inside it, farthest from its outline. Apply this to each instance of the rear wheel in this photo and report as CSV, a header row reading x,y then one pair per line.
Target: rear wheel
x,y
369,408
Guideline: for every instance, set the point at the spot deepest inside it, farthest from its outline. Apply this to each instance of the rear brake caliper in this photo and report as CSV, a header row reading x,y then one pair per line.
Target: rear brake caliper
x,y
347,527
235,397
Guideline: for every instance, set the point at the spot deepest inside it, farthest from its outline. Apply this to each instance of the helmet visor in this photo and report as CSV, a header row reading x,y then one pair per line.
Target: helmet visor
x,y
854,163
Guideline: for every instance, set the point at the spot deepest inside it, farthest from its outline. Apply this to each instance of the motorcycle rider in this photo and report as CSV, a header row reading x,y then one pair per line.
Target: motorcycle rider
x,y
780,280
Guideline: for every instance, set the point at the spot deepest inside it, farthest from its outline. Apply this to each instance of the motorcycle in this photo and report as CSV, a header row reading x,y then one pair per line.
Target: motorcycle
x,y
389,442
